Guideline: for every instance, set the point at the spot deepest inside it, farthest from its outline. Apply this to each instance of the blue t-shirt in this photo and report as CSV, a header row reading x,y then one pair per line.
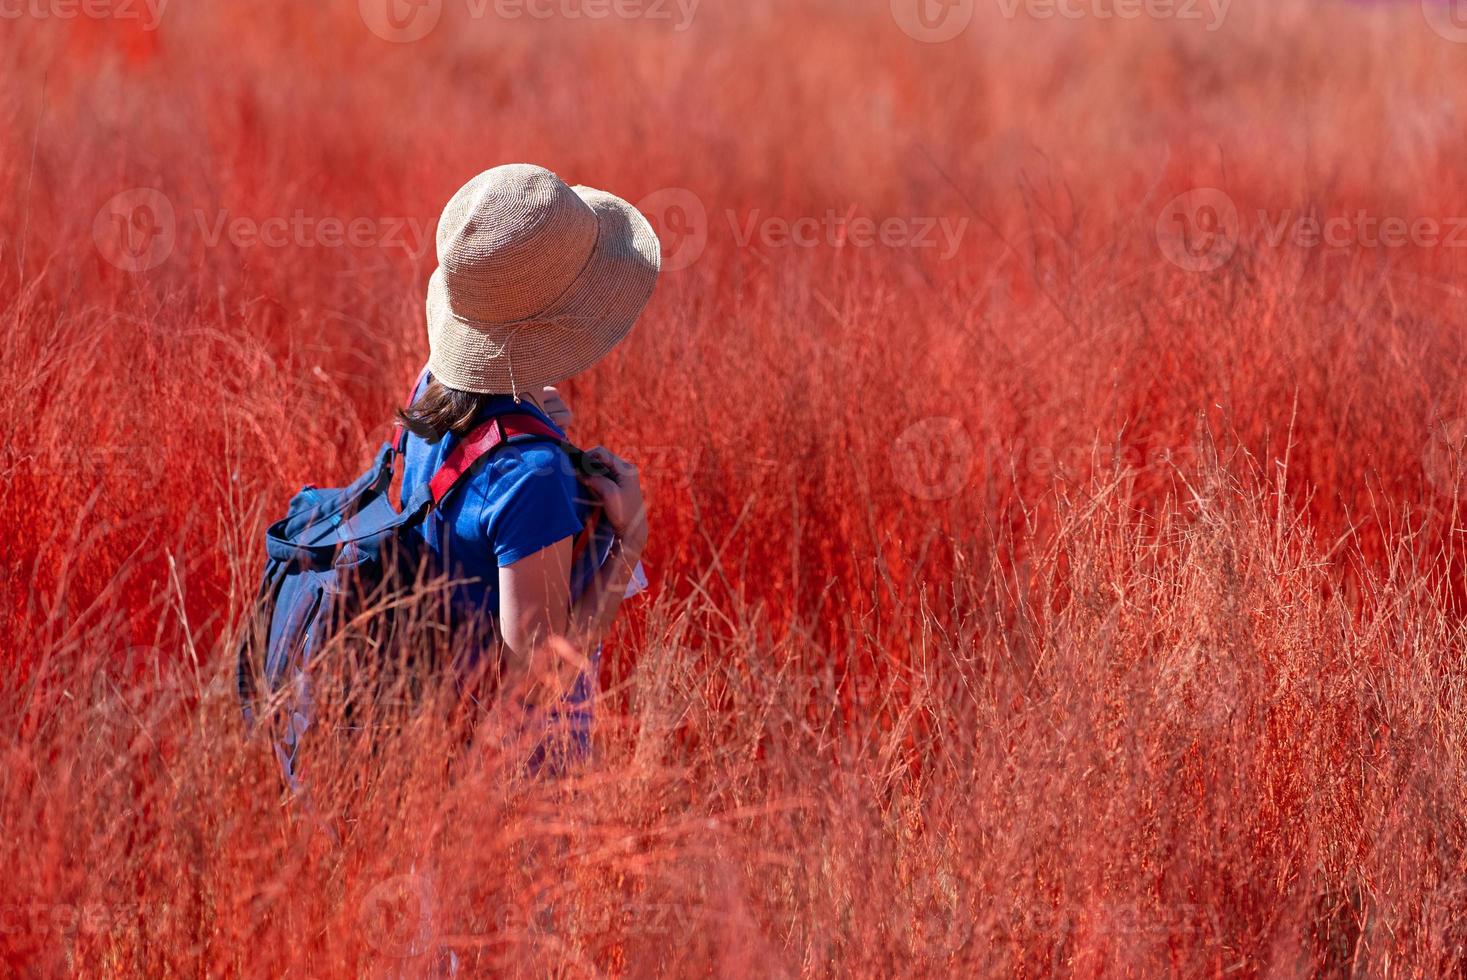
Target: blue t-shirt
x,y
522,499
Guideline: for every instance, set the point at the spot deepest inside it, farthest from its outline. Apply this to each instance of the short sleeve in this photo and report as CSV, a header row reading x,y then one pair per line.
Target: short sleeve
x,y
534,502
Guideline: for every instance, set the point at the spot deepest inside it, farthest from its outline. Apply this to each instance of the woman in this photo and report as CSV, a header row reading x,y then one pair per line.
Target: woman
x,y
536,282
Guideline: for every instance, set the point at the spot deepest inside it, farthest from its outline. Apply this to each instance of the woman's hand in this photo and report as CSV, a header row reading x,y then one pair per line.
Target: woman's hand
x,y
620,495
554,405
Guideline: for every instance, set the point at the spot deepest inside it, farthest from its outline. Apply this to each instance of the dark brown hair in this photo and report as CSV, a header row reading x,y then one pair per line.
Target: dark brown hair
x,y
440,410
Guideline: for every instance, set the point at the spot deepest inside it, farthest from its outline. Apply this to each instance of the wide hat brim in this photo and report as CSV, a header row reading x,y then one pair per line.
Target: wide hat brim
x,y
574,332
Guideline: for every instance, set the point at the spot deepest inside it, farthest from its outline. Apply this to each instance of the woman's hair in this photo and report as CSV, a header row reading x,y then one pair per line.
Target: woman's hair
x,y
440,410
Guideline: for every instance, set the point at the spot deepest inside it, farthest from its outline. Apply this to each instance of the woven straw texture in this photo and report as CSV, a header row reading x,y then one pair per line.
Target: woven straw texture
x,y
536,280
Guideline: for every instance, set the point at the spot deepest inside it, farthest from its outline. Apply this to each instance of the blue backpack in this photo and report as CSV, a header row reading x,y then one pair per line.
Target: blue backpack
x,y
341,558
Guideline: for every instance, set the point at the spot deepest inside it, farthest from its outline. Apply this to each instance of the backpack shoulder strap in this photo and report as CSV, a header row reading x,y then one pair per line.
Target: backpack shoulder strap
x,y
488,437
482,441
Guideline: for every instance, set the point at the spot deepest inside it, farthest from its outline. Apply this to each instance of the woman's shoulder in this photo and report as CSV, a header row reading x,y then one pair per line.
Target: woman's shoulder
x,y
533,457
526,476
529,499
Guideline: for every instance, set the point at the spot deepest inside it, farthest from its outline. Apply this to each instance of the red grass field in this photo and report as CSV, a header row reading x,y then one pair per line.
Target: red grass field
x,y
1025,602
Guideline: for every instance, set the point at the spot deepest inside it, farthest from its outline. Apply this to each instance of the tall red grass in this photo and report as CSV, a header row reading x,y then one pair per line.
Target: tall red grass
x,y
1042,608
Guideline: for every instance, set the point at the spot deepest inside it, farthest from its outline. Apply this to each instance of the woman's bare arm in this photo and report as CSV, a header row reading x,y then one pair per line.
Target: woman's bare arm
x,y
534,609
547,639
535,612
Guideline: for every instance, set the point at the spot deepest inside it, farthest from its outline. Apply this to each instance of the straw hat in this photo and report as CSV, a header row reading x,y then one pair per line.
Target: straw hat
x,y
536,280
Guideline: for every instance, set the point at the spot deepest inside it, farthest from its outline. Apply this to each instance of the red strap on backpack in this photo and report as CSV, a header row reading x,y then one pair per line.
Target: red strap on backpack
x,y
484,440
481,442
